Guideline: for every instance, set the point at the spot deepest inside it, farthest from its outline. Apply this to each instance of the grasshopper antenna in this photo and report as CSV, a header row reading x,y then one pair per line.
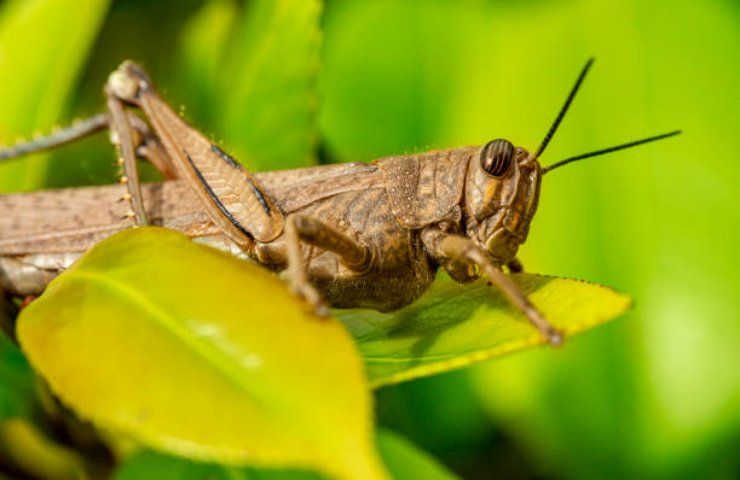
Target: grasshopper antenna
x,y
565,108
609,150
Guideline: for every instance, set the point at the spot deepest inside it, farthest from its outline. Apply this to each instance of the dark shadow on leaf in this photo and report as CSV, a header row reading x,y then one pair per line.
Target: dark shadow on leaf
x,y
444,307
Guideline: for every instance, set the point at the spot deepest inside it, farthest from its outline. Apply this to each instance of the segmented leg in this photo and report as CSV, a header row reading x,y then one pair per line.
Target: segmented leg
x,y
147,144
234,199
462,249
123,138
150,147
301,228
63,136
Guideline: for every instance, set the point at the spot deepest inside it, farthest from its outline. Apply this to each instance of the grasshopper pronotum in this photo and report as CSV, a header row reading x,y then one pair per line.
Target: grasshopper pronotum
x,y
349,235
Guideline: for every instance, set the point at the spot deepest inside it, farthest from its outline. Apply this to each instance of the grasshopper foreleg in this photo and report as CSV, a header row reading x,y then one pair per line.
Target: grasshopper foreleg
x,y
464,250
301,228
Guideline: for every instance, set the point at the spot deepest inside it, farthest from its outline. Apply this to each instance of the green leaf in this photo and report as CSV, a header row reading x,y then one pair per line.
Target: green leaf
x,y
270,100
404,460
8,312
25,447
38,71
148,465
16,382
203,44
256,78
453,325
191,351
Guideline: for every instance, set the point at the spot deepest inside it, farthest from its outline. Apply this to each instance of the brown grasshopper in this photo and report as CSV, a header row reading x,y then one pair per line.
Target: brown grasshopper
x,y
348,235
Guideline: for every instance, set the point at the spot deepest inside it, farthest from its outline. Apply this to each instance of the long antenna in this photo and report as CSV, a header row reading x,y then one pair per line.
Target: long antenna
x,y
564,110
608,150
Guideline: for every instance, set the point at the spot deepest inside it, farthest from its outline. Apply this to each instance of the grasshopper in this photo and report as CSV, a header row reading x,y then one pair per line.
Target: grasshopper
x,y
368,235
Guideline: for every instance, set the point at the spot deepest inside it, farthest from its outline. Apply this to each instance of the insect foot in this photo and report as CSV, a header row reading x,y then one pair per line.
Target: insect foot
x,y
307,292
549,333
553,337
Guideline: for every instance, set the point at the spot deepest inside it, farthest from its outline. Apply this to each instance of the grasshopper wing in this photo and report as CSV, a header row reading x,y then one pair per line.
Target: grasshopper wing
x,y
426,188
296,189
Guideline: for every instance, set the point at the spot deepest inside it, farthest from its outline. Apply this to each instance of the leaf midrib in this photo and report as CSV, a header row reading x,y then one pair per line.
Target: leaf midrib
x,y
222,361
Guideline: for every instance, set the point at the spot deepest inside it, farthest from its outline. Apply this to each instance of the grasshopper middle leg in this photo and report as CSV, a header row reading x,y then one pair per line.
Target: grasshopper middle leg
x,y
302,228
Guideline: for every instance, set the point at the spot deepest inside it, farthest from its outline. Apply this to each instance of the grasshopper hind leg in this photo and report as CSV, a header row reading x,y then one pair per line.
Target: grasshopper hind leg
x,y
62,136
143,143
147,144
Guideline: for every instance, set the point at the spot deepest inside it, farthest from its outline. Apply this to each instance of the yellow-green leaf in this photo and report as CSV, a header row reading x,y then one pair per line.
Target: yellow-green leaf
x,y
43,47
26,448
453,325
191,351
404,460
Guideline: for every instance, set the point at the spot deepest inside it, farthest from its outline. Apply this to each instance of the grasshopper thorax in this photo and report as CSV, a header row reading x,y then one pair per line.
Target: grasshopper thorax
x,y
502,188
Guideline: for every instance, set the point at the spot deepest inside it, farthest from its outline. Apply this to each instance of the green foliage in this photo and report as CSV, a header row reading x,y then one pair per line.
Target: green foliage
x,y
404,461
291,394
453,325
651,396
25,447
149,465
16,382
255,70
267,383
43,47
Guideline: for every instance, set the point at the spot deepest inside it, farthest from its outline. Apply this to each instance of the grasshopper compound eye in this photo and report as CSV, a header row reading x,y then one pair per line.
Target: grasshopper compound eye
x,y
496,156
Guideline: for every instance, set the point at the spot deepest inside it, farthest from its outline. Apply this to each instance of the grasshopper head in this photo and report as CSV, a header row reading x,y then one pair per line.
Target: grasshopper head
x,y
502,188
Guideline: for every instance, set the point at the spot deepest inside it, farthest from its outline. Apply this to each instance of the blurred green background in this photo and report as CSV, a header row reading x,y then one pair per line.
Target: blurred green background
x,y
655,394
